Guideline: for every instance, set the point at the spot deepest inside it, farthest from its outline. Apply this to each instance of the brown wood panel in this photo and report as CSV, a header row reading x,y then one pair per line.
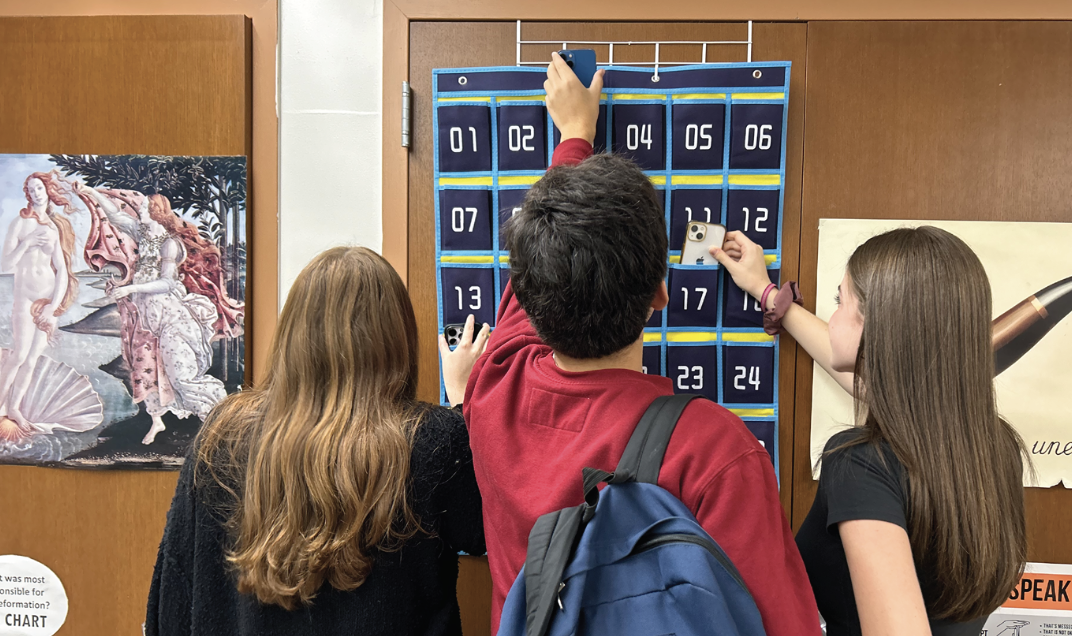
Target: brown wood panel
x,y
755,10
153,85
446,44
936,120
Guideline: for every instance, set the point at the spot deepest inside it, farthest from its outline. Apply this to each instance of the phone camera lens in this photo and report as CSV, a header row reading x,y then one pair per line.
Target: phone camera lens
x,y
696,228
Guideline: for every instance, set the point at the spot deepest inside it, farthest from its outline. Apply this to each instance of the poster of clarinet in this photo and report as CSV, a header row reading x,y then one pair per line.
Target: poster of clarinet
x,y
1030,271
122,287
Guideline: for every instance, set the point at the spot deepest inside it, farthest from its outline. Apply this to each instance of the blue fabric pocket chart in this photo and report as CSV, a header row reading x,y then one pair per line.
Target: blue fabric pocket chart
x,y
712,140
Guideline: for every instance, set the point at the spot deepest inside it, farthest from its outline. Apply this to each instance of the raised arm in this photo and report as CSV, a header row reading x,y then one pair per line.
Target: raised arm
x,y
744,260
122,221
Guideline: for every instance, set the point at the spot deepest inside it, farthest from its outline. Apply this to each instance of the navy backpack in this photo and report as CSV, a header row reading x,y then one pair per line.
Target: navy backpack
x,y
631,560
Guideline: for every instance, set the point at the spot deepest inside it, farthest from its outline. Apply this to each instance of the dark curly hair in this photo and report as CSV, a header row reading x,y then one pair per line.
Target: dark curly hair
x,y
587,255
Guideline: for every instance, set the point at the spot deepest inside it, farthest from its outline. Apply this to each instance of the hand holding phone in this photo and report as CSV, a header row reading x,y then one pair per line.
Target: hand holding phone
x,y
573,108
583,63
700,237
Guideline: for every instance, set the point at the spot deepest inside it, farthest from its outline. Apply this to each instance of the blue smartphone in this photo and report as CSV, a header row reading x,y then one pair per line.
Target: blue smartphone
x,y
583,63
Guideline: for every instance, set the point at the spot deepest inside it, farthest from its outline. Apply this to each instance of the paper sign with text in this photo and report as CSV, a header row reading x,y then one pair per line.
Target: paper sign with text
x,y
1040,605
32,599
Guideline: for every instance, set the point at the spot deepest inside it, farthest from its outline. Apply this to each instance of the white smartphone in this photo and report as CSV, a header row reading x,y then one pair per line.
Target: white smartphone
x,y
700,237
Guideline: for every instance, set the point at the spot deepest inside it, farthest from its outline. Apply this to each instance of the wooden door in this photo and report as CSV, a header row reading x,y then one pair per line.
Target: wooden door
x,y
170,85
943,121
458,44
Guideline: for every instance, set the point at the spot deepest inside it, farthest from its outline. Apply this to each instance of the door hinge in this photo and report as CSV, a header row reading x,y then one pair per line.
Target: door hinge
x,y
406,121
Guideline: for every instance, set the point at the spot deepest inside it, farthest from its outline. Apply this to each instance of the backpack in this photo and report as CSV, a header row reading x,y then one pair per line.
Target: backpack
x,y
631,560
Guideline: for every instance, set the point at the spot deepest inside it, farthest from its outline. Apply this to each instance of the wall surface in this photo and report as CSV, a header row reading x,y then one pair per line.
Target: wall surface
x,y
264,182
331,60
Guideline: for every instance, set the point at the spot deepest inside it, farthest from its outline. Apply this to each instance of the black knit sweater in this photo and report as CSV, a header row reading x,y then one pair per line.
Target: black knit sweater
x,y
409,592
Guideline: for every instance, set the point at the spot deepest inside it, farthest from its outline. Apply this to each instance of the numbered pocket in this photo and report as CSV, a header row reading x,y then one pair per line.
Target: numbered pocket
x,y
756,137
504,276
522,138
600,142
468,290
740,309
639,134
698,133
509,204
464,139
764,432
756,213
749,376
692,205
465,220
693,369
693,297
652,359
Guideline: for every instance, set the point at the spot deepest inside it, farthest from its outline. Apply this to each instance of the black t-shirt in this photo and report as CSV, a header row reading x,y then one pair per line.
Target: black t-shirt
x,y
856,484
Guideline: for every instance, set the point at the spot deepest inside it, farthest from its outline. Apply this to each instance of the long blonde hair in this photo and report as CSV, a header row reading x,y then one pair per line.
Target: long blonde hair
x,y
925,385
316,462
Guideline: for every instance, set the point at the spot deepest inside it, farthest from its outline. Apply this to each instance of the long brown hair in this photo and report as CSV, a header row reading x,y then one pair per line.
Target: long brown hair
x,y
317,461
925,385
52,185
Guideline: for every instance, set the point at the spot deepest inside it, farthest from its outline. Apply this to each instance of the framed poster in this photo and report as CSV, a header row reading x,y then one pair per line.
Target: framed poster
x,y
711,139
121,305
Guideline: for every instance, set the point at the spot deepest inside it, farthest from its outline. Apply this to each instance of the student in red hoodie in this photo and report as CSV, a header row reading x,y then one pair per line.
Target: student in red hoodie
x,y
561,388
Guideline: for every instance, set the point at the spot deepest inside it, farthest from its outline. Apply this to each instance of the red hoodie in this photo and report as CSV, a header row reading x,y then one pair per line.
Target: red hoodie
x,y
533,427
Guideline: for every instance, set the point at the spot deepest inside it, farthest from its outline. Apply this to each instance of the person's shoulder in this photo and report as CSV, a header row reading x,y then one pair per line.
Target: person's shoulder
x,y
440,435
440,447
854,452
715,431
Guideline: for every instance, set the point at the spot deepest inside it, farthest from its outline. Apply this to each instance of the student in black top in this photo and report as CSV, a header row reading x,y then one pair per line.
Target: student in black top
x,y
918,526
327,501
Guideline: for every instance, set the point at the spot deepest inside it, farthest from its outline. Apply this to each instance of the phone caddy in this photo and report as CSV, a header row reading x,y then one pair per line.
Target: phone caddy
x,y
712,140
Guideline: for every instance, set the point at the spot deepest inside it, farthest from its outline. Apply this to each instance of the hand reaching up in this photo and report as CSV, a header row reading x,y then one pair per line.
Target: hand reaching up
x,y
573,108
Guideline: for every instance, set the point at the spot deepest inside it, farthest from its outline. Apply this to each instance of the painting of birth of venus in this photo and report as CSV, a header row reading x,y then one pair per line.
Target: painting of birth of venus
x,y
122,286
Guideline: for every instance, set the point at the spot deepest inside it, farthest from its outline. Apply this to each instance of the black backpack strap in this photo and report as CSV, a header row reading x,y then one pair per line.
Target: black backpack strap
x,y
643,456
551,545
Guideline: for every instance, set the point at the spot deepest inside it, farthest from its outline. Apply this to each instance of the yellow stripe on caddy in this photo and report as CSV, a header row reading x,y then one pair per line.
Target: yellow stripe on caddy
x,y
522,98
464,99
620,96
465,181
658,180
700,96
753,412
676,260
770,258
696,179
756,179
759,96
691,336
504,259
467,259
653,337
733,336
525,180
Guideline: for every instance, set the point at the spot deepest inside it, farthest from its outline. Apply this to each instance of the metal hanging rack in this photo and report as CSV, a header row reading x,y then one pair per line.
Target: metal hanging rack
x,y
610,45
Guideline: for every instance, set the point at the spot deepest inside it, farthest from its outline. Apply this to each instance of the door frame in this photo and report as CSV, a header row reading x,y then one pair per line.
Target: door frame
x,y
397,14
